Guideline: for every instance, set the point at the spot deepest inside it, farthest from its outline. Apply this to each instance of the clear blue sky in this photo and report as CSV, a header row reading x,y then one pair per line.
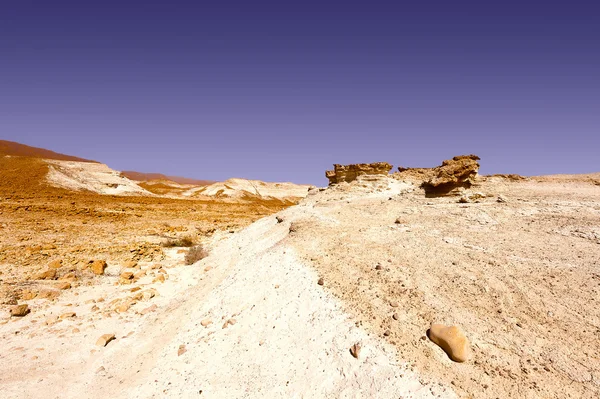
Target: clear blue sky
x,y
279,90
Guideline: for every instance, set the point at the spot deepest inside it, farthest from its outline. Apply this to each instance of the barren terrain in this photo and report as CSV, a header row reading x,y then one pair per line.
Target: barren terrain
x,y
275,308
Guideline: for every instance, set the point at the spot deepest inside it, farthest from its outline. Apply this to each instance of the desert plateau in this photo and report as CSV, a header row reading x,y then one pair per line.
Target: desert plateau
x,y
416,283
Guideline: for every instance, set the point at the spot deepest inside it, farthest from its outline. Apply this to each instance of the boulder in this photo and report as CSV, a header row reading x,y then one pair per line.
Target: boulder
x,y
348,173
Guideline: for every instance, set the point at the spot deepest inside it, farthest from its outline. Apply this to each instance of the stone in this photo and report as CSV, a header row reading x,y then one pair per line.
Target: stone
x,y
279,219
321,281
19,310
105,339
27,295
124,307
452,340
69,276
49,274
68,315
348,173
127,275
55,264
98,267
65,285
48,294
394,304
355,350
229,322
160,278
181,350
131,264
206,322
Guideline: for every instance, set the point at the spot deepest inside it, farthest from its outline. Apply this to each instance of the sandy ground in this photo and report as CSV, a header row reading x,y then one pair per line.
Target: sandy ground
x,y
520,276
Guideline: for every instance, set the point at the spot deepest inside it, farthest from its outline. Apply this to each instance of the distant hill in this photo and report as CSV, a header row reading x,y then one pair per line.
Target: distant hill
x,y
140,176
22,150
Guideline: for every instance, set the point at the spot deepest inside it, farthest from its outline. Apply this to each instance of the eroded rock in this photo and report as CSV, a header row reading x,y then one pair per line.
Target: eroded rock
x,y
348,173
454,174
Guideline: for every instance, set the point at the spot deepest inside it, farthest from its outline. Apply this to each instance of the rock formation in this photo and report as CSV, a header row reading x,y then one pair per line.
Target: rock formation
x,y
446,179
348,173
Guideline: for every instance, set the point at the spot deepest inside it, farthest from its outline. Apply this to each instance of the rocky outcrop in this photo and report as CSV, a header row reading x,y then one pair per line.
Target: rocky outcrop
x,y
448,178
348,173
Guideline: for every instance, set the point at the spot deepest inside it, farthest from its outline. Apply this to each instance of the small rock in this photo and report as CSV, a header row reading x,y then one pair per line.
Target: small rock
x,y
124,307
452,340
181,350
98,267
229,322
501,199
131,264
279,219
378,267
395,316
160,278
49,274
127,275
355,350
64,285
19,310
69,276
386,333
207,268
68,315
55,264
463,200
105,339
205,322
321,281
394,304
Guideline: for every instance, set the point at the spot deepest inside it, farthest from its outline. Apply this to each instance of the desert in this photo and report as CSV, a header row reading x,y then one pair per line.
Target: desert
x,y
371,287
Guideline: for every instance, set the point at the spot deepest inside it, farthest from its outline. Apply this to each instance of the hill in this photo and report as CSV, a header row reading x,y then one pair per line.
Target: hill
x,y
144,177
17,149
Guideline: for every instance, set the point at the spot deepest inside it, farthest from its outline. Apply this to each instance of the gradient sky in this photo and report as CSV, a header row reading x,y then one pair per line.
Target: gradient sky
x,y
281,90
